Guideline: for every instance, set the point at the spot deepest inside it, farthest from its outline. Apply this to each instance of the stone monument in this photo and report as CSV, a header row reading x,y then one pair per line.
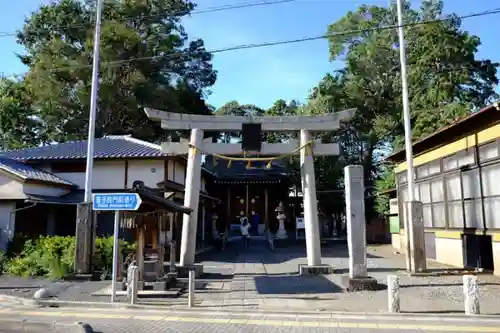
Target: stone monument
x,y
215,231
280,216
358,278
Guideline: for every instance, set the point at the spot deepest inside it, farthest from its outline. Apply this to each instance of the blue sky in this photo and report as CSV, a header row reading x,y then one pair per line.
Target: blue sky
x,y
261,76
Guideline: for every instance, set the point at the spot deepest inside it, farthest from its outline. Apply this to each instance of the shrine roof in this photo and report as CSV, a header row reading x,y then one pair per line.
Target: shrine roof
x,y
238,171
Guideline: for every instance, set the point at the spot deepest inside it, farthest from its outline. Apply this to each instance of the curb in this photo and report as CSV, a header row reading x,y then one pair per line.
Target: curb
x,y
40,326
275,313
18,299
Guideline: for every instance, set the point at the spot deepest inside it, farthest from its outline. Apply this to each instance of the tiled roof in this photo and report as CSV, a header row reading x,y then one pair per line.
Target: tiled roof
x,y
27,172
113,146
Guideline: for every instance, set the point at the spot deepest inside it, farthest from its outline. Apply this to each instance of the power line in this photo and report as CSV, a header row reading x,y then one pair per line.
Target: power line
x,y
275,43
194,12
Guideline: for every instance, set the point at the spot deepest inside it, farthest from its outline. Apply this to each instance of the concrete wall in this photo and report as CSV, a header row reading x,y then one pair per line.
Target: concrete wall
x,y
151,172
396,241
11,188
449,251
180,173
496,255
106,175
118,174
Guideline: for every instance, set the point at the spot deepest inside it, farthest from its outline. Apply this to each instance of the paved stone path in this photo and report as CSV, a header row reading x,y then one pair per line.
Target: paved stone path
x,y
258,278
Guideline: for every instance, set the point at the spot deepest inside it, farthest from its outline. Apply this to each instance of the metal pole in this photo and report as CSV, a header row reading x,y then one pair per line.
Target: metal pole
x,y
191,285
407,128
116,247
406,105
93,104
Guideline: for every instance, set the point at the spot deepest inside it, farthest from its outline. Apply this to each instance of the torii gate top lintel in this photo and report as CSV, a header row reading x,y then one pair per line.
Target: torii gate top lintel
x,y
178,121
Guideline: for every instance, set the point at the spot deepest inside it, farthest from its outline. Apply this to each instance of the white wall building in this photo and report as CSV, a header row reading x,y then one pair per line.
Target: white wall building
x,y
40,187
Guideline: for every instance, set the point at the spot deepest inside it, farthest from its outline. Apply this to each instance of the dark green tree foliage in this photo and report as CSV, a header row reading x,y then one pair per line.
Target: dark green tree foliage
x,y
20,126
446,81
146,60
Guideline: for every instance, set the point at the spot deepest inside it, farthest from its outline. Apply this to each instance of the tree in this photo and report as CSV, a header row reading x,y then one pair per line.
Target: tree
x,y
233,108
146,61
20,126
446,81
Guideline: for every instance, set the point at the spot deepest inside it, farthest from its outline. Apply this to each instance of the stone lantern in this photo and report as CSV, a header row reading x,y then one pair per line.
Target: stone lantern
x,y
215,231
280,215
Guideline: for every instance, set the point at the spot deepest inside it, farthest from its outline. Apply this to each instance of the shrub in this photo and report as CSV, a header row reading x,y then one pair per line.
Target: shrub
x,y
3,261
53,257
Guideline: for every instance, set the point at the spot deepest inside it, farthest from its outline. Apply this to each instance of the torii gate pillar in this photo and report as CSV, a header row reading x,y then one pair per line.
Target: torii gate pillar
x,y
305,124
191,200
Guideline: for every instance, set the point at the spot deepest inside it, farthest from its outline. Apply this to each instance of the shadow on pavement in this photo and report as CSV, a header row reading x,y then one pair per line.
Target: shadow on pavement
x,y
259,252
292,285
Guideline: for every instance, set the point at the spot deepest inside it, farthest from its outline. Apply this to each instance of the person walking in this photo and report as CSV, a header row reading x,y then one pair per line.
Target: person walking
x,y
245,233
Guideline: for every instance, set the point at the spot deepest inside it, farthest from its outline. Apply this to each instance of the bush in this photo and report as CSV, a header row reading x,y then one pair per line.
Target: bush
x,y
53,257
3,261
103,255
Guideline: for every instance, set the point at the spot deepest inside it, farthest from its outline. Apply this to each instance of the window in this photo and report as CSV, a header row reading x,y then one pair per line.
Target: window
x,y
437,190
454,200
439,215
450,163
427,215
455,214
425,192
491,210
402,177
465,157
489,151
473,214
453,188
422,171
434,167
491,191
490,180
470,182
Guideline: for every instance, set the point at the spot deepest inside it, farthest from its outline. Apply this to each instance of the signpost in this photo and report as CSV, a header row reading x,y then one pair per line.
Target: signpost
x,y
115,202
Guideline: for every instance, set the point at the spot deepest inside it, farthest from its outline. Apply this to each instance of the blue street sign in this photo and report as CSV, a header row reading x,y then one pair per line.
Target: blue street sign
x,y
116,201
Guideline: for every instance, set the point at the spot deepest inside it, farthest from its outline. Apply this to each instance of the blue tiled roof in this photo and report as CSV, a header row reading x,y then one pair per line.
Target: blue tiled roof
x,y
115,146
27,172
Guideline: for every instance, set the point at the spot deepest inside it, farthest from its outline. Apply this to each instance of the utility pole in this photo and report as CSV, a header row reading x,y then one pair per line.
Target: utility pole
x,y
415,244
84,225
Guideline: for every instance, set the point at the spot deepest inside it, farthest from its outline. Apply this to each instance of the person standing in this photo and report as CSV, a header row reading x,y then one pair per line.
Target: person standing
x,y
245,233
255,223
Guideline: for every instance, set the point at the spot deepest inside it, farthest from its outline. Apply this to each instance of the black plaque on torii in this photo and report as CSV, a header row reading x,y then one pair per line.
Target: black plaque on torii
x,y
251,137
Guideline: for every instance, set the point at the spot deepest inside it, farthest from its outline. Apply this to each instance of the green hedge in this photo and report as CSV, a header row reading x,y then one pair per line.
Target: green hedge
x,y
53,257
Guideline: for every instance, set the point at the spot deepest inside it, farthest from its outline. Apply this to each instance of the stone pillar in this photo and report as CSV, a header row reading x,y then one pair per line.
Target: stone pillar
x,y
356,224
191,199
471,295
394,302
313,243
84,234
415,236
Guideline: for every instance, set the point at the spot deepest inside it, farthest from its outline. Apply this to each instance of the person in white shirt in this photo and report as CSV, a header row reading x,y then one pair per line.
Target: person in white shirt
x,y
245,233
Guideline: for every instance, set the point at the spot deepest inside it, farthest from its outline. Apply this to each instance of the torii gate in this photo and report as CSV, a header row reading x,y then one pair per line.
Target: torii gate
x,y
197,145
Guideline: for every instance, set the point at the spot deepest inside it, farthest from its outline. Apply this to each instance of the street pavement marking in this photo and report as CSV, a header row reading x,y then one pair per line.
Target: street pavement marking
x,y
259,322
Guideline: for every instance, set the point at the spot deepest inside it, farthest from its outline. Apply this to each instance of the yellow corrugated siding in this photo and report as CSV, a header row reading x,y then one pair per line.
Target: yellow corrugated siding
x,y
464,143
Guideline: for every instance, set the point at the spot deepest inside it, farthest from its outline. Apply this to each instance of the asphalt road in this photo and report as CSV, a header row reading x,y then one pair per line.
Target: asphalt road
x,y
148,321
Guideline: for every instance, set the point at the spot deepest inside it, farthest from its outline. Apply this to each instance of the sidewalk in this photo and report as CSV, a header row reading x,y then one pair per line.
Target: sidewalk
x,y
257,279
